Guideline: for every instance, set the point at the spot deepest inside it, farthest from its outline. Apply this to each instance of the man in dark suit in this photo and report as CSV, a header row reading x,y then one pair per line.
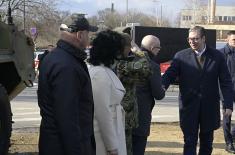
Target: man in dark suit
x,y
200,69
229,53
146,93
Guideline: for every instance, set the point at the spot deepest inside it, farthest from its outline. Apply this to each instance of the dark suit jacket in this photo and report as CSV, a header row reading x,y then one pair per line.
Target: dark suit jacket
x,y
146,94
229,53
41,57
199,90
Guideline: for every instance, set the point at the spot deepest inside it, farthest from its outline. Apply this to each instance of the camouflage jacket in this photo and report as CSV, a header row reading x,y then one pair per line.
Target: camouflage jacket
x,y
132,72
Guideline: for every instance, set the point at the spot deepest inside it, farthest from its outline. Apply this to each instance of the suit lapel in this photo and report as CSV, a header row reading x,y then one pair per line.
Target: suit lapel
x,y
193,58
208,60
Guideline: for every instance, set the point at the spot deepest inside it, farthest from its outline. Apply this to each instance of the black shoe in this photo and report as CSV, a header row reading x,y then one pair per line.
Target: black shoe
x,y
230,148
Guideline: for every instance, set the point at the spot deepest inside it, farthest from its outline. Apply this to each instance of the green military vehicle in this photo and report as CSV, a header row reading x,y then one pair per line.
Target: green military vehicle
x,y
16,73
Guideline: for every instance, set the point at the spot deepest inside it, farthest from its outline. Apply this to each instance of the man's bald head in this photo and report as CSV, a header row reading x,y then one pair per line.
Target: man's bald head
x,y
151,43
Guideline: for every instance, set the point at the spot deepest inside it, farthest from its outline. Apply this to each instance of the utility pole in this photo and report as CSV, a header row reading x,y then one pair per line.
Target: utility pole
x,y
24,16
9,17
156,12
194,12
212,11
112,7
161,16
208,11
127,11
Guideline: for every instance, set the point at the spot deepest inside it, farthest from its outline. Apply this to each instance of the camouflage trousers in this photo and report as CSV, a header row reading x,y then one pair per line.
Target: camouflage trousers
x,y
129,148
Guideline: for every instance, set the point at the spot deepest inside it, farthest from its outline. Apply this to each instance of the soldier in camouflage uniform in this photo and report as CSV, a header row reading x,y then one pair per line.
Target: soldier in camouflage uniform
x,y
132,70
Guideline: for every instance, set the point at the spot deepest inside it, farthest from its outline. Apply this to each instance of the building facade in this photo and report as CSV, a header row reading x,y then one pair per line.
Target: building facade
x,y
223,19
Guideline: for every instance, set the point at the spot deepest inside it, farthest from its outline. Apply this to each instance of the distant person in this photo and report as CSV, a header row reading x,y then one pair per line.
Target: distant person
x,y
65,95
229,53
108,91
48,50
146,95
200,70
133,68
42,56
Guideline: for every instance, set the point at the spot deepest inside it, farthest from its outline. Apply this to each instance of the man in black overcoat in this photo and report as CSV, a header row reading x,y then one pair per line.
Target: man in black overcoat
x,y
229,52
200,69
65,95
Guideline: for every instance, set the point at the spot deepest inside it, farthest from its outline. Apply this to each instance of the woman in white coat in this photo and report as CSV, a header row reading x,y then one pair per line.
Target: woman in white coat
x,y
108,92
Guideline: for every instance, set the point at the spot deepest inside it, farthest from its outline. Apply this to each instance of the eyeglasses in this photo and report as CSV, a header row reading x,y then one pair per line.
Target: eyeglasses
x,y
193,39
157,47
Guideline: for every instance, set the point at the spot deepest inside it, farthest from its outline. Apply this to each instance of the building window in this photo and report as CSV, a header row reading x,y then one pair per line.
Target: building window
x,y
225,18
220,18
186,18
233,18
189,17
204,17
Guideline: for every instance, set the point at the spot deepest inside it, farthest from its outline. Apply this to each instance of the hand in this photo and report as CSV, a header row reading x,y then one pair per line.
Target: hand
x,y
227,112
164,88
134,47
113,152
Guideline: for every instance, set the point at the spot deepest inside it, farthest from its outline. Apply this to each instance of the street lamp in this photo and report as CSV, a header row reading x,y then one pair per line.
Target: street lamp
x,y
157,18
127,11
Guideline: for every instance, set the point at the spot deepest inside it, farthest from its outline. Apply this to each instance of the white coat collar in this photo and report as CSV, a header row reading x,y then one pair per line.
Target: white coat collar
x,y
115,80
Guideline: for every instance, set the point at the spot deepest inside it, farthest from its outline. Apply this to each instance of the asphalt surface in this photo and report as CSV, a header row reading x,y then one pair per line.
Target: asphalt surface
x,y
26,111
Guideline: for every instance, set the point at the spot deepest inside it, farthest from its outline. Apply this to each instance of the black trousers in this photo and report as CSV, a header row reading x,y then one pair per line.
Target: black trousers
x,y
190,142
229,132
139,144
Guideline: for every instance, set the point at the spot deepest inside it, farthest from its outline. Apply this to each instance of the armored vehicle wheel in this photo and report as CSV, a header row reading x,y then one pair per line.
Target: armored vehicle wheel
x,y
5,121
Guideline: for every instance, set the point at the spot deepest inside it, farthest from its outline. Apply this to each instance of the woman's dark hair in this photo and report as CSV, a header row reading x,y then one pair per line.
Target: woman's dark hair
x,y
106,47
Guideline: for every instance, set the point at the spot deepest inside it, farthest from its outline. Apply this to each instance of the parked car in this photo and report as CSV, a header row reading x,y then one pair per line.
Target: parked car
x,y
164,66
36,60
220,44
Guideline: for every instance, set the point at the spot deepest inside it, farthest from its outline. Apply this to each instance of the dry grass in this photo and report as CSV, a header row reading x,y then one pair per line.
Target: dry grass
x,y
165,139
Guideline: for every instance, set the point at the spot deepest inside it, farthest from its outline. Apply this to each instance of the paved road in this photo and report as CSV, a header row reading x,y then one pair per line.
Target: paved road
x,y
25,109
26,112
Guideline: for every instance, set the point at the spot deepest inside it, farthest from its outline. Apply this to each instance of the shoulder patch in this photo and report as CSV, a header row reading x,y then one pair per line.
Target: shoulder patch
x,y
139,53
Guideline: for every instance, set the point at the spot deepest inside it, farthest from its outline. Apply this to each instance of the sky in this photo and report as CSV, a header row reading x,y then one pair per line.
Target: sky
x,y
168,8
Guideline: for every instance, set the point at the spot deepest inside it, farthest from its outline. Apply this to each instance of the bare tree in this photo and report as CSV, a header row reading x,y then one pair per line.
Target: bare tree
x,y
19,4
109,18
114,19
42,15
135,16
191,4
